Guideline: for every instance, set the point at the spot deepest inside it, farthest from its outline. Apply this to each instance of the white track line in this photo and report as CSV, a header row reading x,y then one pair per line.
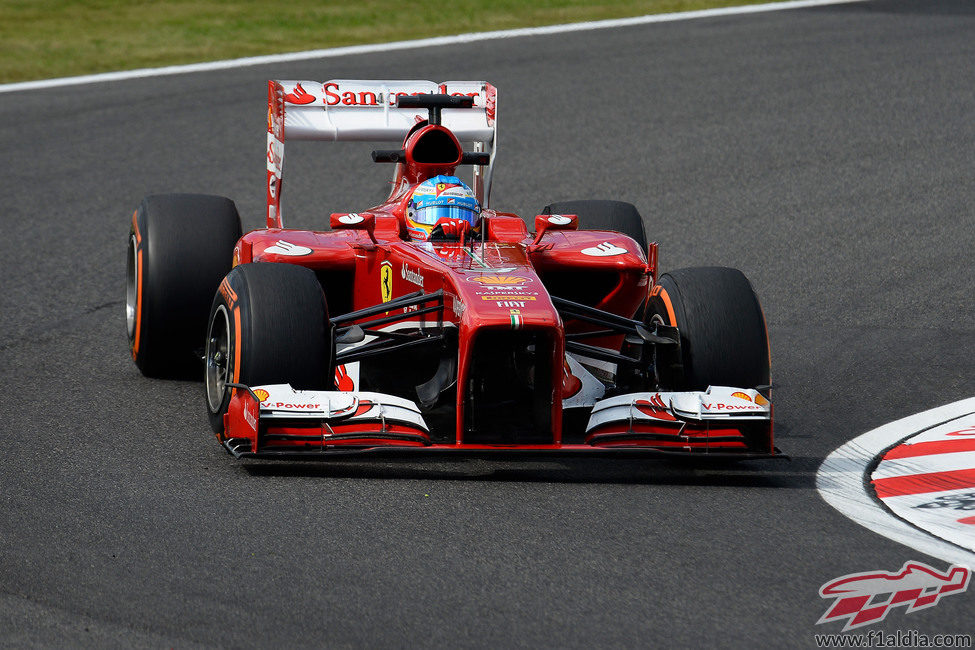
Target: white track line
x,y
842,482
406,45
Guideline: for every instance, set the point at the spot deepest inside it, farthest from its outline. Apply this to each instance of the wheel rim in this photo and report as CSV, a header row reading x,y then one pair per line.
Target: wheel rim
x,y
218,358
131,287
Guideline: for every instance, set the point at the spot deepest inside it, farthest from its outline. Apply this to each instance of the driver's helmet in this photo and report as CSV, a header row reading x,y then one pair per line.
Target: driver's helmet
x,y
436,198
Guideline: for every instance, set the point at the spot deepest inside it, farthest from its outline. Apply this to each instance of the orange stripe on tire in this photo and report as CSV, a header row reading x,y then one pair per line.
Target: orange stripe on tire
x,y
672,320
138,285
236,348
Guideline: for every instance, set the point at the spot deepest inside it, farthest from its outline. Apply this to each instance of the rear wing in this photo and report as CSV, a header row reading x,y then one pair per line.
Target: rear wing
x,y
357,110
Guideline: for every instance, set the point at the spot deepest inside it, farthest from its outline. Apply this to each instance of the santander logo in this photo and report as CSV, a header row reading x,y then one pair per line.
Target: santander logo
x,y
605,249
336,95
299,96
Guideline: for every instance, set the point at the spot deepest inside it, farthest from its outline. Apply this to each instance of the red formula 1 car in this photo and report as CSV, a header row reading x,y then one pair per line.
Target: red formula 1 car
x,y
433,322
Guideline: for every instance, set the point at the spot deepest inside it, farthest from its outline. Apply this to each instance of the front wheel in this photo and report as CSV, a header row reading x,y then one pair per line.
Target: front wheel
x,y
723,338
268,325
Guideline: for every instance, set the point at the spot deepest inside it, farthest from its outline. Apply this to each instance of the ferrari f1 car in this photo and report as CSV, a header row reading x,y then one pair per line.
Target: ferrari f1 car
x,y
400,329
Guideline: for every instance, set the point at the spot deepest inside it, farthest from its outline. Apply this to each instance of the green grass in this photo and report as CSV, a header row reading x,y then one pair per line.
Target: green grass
x,y
41,39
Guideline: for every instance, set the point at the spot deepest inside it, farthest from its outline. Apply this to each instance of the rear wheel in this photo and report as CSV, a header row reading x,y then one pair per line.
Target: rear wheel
x,y
604,215
180,246
723,339
268,325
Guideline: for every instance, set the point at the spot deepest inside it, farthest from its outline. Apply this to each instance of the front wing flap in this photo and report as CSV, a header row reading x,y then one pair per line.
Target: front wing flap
x,y
279,420
722,420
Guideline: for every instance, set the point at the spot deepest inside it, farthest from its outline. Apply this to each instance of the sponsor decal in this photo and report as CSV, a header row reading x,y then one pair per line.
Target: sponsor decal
x,y
760,400
285,405
559,220
351,219
335,95
273,155
506,296
343,381
364,407
717,406
411,276
299,96
509,291
516,320
970,431
655,408
867,598
490,105
282,247
451,255
954,502
262,394
386,280
495,281
229,294
459,307
605,249
250,414
511,303
741,395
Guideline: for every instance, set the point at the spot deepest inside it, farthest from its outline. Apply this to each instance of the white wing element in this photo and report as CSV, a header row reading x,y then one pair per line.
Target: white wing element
x,y
281,401
364,110
716,403
590,389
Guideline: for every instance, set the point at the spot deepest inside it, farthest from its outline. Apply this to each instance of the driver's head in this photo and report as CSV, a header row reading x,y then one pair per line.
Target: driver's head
x,y
438,198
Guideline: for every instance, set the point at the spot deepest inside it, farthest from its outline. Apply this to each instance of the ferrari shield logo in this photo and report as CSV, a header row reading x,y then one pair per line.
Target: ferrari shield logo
x,y
386,281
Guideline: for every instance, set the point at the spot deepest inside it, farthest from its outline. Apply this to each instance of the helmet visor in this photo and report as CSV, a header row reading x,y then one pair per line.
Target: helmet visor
x,y
430,215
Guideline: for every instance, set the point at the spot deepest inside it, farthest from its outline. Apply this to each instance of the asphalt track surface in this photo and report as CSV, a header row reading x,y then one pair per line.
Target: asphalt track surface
x,y
826,152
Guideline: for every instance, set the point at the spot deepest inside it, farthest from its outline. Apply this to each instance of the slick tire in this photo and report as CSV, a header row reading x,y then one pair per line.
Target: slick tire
x,y
180,247
268,325
604,215
723,339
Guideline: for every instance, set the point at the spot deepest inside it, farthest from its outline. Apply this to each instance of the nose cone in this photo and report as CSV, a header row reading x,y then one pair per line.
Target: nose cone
x,y
514,298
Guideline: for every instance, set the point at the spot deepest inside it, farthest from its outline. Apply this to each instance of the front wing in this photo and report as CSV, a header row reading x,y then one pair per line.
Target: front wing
x,y
278,421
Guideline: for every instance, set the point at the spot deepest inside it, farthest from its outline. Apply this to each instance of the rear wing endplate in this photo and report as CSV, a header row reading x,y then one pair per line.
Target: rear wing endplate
x,y
359,110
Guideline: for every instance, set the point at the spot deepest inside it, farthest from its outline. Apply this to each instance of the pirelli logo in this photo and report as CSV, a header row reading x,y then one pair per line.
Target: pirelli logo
x,y
229,294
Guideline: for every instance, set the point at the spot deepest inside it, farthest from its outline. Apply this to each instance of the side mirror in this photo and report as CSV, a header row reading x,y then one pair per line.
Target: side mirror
x,y
354,221
546,222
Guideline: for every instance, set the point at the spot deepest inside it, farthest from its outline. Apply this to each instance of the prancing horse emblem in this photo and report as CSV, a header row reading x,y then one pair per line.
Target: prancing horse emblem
x,y
386,281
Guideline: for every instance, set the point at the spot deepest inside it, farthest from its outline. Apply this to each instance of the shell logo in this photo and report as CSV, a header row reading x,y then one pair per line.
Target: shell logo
x,y
262,394
760,400
741,395
498,280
